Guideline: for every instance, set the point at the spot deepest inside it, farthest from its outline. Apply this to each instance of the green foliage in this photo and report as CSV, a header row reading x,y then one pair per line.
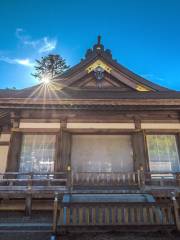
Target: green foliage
x,y
49,66
12,88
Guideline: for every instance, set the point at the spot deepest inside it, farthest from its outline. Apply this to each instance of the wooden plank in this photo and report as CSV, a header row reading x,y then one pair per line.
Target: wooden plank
x,y
80,213
113,210
158,216
61,216
151,215
87,215
100,215
107,215
164,215
126,215
170,216
93,216
68,215
119,216
74,216
138,214
134,178
145,215
132,216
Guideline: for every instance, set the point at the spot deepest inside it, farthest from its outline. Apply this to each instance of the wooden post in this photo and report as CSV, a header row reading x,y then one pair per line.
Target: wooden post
x,y
28,205
55,213
14,152
141,177
69,178
139,150
29,184
178,179
162,181
176,211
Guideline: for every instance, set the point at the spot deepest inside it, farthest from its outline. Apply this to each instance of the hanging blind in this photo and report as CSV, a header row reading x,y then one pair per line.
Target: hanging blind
x,y
102,153
37,153
163,153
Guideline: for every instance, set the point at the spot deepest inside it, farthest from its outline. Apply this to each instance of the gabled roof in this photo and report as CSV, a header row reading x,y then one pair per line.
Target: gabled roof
x,y
98,56
82,82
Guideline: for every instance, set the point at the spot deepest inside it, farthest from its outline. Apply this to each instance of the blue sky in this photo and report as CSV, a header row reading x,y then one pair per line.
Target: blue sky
x,y
144,36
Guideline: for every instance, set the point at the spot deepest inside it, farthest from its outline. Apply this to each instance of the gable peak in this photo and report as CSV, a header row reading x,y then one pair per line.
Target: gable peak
x,y
98,49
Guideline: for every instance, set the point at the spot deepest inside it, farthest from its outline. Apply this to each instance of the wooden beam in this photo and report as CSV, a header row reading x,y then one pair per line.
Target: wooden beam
x,y
4,143
12,102
101,131
36,130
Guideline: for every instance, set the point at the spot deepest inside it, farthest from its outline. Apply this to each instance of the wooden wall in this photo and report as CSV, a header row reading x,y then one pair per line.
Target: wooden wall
x,y
64,123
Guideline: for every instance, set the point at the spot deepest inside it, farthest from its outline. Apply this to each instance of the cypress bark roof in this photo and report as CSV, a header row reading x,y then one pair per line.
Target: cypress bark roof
x,y
81,82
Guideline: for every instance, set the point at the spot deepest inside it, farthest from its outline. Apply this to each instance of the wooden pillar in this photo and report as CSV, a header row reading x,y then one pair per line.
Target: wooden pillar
x,y
14,152
65,159
65,147
55,213
69,178
141,178
178,143
57,164
28,204
176,211
139,150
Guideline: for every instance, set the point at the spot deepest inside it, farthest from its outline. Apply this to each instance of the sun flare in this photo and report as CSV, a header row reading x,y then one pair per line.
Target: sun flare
x,y
46,79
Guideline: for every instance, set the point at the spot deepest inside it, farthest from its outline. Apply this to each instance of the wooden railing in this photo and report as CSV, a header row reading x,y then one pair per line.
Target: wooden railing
x,y
30,181
110,213
139,180
127,179
105,178
164,179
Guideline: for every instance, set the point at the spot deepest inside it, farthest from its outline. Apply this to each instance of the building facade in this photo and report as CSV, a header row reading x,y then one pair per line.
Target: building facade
x,y
98,146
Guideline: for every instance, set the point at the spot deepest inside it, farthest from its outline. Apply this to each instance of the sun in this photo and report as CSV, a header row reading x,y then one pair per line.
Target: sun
x,y
45,79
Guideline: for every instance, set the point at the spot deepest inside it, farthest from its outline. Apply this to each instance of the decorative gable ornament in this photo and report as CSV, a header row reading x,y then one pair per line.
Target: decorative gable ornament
x,y
99,75
100,70
142,89
97,64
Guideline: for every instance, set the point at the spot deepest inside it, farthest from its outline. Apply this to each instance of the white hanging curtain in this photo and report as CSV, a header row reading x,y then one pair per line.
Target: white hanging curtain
x,y
37,153
163,153
102,153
